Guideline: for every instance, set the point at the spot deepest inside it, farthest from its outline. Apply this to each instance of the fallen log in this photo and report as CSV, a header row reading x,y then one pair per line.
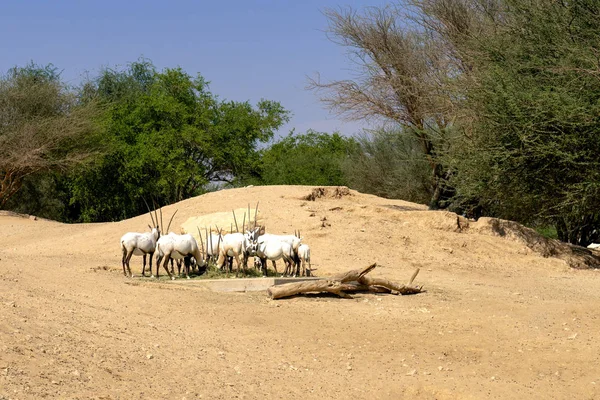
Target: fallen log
x,y
392,286
351,281
353,275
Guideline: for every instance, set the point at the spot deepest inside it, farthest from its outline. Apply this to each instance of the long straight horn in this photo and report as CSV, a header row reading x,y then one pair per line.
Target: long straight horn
x,y
219,241
249,216
155,214
255,215
162,225
230,228
172,216
237,229
209,238
201,241
150,212
244,223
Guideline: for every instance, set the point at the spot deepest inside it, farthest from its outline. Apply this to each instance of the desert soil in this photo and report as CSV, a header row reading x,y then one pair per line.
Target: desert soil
x,y
497,320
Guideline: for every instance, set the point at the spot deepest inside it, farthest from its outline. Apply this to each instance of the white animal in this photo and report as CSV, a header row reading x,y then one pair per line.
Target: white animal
x,y
293,240
213,245
271,247
178,247
304,255
139,244
234,245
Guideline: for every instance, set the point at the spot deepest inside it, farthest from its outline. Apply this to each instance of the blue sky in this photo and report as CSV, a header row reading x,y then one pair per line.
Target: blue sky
x,y
248,50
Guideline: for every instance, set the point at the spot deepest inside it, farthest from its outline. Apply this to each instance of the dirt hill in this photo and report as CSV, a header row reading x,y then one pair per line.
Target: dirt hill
x,y
498,320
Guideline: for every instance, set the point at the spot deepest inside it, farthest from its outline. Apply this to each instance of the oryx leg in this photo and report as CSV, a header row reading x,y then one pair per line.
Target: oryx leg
x,y
158,261
245,258
263,265
186,262
123,261
238,263
127,263
290,265
151,256
143,264
221,262
166,267
274,267
297,263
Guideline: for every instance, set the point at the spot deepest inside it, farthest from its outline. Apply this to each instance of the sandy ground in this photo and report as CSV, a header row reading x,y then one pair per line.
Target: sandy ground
x,y
497,320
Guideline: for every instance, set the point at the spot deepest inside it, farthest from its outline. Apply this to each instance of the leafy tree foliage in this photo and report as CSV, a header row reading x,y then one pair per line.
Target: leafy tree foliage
x,y
313,158
43,127
169,136
390,164
531,153
501,95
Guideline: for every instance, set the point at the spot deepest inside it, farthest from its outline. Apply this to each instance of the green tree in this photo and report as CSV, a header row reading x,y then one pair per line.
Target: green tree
x,y
43,127
530,152
312,158
169,136
389,164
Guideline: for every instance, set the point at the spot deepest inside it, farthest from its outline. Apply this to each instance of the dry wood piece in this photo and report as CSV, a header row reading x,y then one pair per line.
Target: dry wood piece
x,y
351,281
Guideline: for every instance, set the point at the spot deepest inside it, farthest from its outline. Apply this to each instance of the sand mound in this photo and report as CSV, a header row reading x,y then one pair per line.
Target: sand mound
x,y
575,256
503,316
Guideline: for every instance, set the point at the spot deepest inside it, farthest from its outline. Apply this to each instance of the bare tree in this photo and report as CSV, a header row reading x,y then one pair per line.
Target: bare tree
x,y
408,69
401,78
42,127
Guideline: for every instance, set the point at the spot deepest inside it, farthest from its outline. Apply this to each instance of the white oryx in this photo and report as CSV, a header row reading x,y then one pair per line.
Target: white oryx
x,y
304,255
139,244
234,245
178,247
272,247
272,250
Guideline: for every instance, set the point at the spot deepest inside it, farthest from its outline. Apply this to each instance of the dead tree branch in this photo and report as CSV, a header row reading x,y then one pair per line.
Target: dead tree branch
x,y
351,281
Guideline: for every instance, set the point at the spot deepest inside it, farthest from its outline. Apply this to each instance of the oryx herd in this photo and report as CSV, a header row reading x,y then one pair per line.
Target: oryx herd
x,y
220,249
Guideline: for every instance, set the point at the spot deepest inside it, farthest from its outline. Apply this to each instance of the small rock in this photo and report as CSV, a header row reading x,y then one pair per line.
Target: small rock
x,y
440,368
493,378
33,217
149,356
573,336
411,373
